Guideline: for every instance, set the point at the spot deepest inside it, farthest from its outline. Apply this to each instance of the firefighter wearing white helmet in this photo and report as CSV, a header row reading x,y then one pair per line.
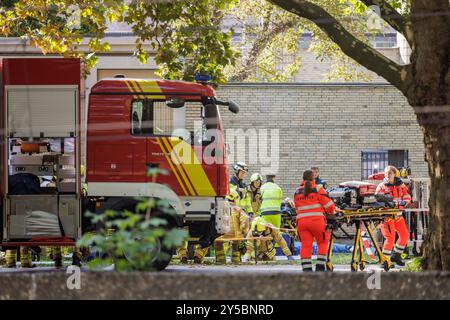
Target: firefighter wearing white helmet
x,y
237,180
266,250
272,196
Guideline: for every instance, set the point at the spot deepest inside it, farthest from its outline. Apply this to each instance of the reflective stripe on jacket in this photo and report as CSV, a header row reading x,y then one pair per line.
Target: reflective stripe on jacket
x,y
315,204
398,191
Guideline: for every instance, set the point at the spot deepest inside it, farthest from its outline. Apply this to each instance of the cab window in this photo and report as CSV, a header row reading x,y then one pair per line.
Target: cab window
x,y
150,117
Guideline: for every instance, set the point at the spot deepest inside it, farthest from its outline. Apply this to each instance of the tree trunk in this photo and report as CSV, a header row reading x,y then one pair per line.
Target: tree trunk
x,y
436,130
428,85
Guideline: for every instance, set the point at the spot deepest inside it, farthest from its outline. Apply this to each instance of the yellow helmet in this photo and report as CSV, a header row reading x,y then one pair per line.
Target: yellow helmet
x,y
232,196
258,226
255,177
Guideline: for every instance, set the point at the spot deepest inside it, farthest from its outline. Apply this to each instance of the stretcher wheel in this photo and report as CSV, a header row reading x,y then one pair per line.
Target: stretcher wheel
x,y
386,265
362,266
329,266
354,267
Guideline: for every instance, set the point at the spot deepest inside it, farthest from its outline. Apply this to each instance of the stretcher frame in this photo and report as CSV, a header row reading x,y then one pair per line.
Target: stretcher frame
x,y
362,218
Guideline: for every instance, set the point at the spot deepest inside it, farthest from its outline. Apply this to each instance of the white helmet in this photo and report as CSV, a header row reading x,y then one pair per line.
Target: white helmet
x,y
240,166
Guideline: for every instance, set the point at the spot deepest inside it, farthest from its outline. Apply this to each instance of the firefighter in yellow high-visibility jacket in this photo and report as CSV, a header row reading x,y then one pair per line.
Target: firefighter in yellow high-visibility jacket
x,y
252,196
240,223
266,250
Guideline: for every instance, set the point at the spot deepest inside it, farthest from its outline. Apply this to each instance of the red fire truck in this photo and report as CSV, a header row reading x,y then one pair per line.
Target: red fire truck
x,y
131,125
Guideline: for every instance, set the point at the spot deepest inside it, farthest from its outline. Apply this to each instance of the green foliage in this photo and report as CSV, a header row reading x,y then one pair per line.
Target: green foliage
x,y
414,265
129,240
269,41
133,240
59,26
188,37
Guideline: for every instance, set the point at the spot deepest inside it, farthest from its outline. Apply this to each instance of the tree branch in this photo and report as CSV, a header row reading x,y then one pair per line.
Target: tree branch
x,y
393,18
349,44
248,66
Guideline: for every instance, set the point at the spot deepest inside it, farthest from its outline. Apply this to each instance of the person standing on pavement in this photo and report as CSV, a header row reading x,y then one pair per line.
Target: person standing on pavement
x,y
252,198
394,187
320,183
312,205
237,180
271,198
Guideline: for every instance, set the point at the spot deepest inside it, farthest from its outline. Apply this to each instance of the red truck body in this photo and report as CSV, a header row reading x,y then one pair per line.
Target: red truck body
x,y
115,155
40,103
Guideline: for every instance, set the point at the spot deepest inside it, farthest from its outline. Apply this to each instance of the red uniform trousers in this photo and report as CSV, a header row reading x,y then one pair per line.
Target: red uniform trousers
x,y
389,228
310,228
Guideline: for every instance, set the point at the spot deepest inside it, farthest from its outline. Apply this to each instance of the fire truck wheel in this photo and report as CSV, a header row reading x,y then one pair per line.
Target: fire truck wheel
x,y
160,255
157,260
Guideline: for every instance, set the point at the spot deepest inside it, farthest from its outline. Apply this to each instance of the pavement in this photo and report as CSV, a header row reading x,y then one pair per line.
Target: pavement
x,y
267,282
272,268
263,267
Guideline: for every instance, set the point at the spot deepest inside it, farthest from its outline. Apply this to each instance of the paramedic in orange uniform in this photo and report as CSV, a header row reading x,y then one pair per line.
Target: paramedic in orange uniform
x,y
312,206
395,187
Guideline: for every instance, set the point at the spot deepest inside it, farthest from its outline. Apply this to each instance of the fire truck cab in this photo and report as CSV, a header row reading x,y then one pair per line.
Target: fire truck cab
x,y
132,125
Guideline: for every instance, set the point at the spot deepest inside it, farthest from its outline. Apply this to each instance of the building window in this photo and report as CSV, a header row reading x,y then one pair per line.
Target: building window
x,y
374,161
150,117
387,40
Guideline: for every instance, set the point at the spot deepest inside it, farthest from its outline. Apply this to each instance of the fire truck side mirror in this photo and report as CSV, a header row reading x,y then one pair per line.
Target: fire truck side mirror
x,y
175,103
233,106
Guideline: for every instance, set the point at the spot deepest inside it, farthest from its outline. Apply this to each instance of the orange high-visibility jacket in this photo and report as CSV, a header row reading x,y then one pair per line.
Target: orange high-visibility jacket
x,y
314,204
397,190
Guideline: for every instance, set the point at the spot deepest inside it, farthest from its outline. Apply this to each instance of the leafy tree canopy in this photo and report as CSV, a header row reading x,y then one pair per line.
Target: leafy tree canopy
x,y
191,36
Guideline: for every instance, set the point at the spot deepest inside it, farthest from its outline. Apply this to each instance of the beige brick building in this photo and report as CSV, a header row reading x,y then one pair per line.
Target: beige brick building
x,y
328,125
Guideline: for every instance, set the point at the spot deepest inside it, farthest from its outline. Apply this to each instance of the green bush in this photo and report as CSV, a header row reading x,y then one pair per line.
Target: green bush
x,y
130,240
134,240
414,265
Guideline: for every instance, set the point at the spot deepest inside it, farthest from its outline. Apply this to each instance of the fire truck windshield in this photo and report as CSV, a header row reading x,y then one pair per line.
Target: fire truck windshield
x,y
195,123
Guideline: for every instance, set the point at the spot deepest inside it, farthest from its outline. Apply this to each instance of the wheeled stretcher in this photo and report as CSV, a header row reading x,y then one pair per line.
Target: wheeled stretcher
x,y
369,219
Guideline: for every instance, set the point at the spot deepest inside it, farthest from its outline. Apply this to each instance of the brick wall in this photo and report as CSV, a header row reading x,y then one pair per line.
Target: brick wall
x,y
326,125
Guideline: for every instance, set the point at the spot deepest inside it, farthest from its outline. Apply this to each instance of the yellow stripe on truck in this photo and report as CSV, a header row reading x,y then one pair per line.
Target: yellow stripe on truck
x,y
171,166
130,87
152,87
178,166
194,169
137,89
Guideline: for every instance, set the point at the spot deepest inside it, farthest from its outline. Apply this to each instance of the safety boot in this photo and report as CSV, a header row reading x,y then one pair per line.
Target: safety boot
x,y
56,253
25,258
184,260
58,262
10,258
197,260
397,259
320,267
76,258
